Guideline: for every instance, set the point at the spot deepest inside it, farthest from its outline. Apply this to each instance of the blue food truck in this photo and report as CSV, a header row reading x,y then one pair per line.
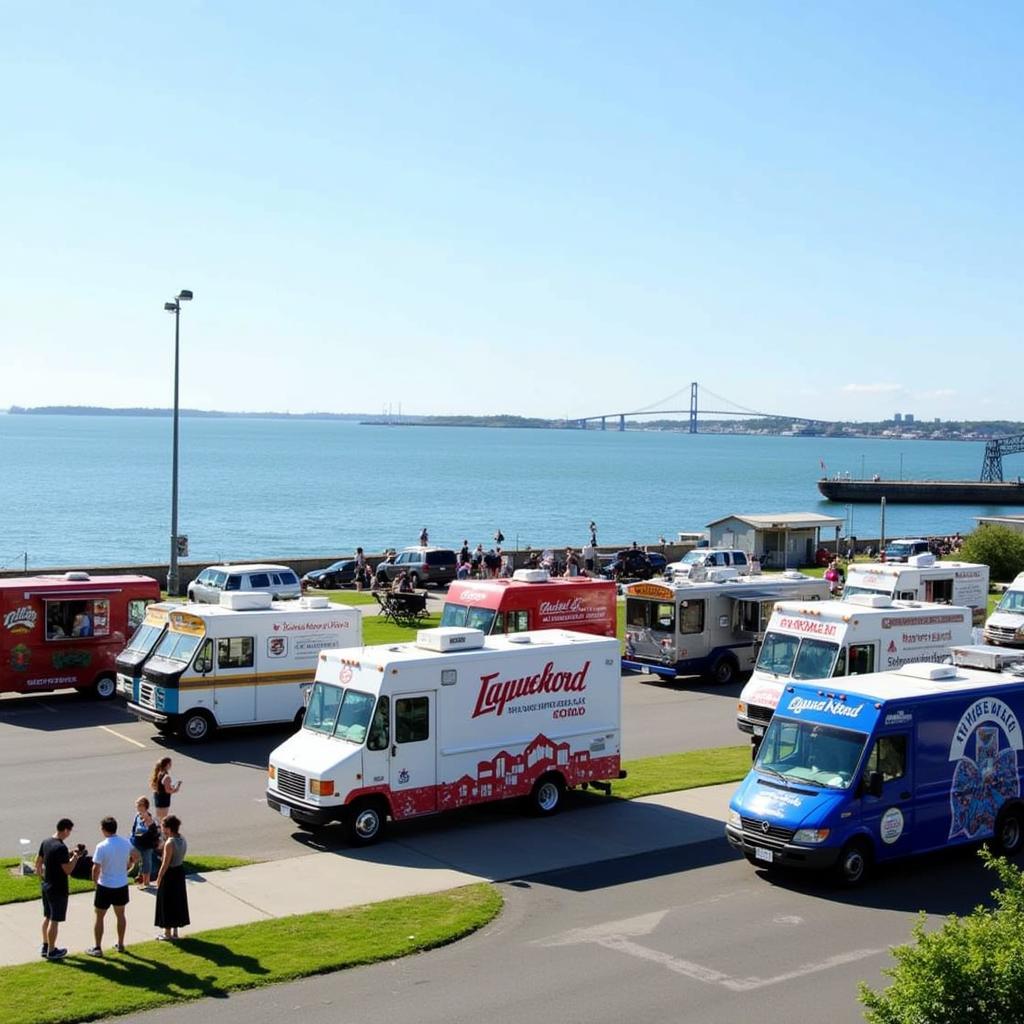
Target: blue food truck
x,y
904,762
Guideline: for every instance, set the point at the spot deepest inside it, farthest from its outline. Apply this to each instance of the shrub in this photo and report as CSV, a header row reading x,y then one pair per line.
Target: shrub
x,y
968,972
998,547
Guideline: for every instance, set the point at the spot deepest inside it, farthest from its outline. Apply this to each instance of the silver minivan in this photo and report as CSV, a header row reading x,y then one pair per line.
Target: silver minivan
x,y
277,580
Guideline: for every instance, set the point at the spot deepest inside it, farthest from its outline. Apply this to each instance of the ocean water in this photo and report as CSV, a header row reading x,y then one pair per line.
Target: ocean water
x,y
83,490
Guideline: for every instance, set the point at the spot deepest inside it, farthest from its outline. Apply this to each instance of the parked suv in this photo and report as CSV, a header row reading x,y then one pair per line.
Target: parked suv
x,y
901,550
424,566
709,558
277,580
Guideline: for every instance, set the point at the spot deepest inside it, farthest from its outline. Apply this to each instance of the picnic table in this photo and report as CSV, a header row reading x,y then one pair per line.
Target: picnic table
x,y
402,608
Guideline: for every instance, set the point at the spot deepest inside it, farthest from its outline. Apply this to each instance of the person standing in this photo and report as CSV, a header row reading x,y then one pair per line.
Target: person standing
x,y
163,786
589,552
111,861
593,533
360,569
499,537
171,893
424,537
144,837
53,865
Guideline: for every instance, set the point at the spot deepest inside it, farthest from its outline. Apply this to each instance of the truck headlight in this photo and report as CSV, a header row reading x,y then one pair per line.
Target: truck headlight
x,y
272,771
734,819
811,835
321,787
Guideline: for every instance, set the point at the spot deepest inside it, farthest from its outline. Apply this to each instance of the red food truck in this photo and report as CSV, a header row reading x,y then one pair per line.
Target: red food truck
x,y
66,631
531,599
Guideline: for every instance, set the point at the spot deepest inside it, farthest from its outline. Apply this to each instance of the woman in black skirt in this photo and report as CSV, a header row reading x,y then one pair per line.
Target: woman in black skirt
x,y
171,897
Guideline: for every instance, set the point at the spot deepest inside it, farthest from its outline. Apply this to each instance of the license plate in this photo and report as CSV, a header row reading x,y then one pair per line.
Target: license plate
x,y
758,730
286,811
760,853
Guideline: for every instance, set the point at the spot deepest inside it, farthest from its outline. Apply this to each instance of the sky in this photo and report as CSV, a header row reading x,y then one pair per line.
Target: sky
x,y
541,209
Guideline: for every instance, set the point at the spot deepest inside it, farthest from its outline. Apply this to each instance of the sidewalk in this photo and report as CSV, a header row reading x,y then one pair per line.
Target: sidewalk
x,y
456,852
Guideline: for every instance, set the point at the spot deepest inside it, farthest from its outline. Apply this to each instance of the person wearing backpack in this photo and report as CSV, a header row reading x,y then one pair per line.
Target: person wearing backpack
x,y
145,837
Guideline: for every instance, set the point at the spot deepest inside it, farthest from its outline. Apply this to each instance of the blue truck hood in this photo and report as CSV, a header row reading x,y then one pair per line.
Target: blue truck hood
x,y
796,805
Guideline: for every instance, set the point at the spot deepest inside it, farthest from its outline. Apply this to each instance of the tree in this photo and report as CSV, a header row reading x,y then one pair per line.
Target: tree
x,y
998,547
971,971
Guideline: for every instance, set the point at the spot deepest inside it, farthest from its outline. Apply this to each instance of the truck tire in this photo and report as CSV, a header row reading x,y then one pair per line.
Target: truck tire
x,y
105,688
1009,834
854,863
547,796
196,726
723,671
366,822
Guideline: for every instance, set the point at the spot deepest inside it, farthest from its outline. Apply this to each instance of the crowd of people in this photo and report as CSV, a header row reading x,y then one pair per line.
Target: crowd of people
x,y
154,850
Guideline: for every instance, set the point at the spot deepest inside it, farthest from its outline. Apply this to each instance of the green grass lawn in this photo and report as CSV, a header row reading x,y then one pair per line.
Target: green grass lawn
x,y
16,888
648,776
213,963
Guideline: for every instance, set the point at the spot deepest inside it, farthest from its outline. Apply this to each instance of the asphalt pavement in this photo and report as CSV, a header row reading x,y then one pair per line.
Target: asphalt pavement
x,y
452,850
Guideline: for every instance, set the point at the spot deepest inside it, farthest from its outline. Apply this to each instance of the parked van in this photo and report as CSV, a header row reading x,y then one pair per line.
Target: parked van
x,y
277,580
454,719
897,764
1005,626
852,637
65,631
922,578
532,600
246,661
711,627
141,645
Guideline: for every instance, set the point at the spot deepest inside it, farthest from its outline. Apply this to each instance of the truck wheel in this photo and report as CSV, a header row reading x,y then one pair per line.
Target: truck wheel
x,y
1009,834
854,863
196,726
366,823
723,671
105,688
547,795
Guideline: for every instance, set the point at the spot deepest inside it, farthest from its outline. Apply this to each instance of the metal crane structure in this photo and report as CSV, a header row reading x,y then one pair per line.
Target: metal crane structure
x,y
992,467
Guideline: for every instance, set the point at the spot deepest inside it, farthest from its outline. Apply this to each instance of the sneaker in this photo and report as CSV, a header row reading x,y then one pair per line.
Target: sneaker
x,y
56,954
94,951
44,950
119,948
163,938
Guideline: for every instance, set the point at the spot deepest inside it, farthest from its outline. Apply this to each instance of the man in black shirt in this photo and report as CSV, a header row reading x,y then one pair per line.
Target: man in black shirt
x,y
53,865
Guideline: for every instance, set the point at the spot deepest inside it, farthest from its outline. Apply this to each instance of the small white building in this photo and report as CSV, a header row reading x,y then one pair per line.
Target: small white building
x,y
781,540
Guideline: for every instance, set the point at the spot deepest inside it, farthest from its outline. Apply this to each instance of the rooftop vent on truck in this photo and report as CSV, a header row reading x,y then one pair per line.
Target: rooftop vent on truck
x,y
449,638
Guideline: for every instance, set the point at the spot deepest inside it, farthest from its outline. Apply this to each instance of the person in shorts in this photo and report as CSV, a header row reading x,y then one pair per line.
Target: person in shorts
x,y
53,865
111,861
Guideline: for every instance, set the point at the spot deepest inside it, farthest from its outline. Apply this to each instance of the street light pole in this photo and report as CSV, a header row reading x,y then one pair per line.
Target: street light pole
x,y
172,569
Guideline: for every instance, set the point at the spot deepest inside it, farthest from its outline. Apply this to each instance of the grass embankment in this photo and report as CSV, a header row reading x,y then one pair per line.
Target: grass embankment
x,y
22,888
225,960
648,776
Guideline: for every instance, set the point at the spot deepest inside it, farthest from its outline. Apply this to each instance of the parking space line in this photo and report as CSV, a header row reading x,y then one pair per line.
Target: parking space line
x,y
121,736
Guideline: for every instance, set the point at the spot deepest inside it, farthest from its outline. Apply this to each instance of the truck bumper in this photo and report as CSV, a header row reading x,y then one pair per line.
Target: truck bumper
x,y
783,855
149,715
751,727
302,813
656,668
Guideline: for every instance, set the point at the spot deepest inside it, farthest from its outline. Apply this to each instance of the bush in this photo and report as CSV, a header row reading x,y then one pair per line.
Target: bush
x,y
998,547
969,972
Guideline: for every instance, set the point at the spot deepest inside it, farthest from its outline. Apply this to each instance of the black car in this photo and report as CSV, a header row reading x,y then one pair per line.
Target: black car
x,y
337,574
634,564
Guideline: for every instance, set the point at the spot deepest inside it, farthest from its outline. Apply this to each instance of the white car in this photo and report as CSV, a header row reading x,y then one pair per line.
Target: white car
x,y
277,580
729,558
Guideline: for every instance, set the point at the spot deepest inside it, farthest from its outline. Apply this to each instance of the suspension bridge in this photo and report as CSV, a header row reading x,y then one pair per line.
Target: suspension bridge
x,y
601,420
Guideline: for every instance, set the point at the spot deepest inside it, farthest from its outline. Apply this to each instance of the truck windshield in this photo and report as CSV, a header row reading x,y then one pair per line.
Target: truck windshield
x,y
804,752
468,615
343,714
143,639
1012,601
177,647
797,658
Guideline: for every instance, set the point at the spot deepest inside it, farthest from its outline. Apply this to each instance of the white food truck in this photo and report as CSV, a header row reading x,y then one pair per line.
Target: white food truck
x,y
247,661
709,626
454,719
922,578
1005,626
852,637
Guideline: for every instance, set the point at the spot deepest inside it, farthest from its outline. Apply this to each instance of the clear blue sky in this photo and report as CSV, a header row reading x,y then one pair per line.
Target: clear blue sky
x,y
543,209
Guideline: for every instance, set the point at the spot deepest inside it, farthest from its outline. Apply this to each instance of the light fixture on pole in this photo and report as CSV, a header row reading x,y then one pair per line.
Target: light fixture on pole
x,y
172,570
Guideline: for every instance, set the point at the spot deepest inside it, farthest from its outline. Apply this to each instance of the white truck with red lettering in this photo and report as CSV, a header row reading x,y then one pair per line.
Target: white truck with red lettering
x,y
852,637
922,578
403,730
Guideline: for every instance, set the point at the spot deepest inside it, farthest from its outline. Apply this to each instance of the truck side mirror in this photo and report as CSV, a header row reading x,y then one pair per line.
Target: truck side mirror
x,y
873,784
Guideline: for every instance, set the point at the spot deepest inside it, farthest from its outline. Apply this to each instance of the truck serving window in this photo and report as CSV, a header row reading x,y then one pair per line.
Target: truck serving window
x,y
805,752
77,619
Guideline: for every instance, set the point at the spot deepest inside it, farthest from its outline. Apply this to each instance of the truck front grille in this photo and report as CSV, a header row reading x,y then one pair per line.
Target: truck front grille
x,y
775,836
291,783
759,714
1001,634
